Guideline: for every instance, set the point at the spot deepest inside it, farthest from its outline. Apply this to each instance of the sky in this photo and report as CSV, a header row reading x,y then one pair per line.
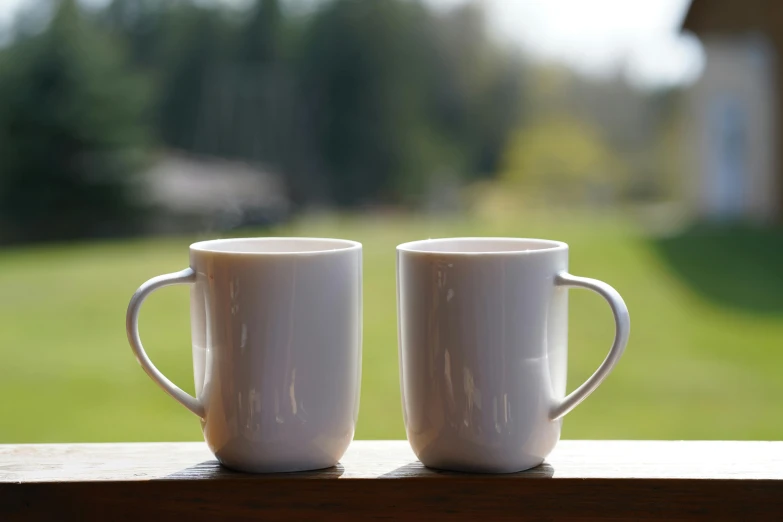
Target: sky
x,y
640,38
598,37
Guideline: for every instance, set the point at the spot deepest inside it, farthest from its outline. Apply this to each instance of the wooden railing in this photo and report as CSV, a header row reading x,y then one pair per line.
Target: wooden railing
x,y
582,480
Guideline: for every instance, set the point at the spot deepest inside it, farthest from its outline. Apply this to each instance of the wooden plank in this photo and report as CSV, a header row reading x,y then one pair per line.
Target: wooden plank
x,y
394,459
582,480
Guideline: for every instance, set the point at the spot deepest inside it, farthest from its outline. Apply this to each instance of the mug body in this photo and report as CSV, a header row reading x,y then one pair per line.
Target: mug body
x,y
276,331
483,349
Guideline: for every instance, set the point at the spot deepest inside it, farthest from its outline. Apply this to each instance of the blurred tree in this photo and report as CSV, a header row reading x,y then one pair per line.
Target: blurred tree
x,y
72,132
262,88
261,39
478,89
143,25
366,83
197,50
632,123
566,159
270,124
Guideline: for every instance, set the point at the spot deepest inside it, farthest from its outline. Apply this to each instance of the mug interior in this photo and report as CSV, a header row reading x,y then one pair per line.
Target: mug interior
x,y
481,245
275,245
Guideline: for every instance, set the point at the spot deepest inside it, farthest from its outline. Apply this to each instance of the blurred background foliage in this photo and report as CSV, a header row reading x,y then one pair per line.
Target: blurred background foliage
x,y
351,103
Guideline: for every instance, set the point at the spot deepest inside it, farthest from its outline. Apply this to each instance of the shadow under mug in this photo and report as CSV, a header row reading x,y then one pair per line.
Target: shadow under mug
x,y
276,334
483,336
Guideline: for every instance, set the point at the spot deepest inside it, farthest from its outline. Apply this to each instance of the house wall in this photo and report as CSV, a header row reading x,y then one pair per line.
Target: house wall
x,y
732,134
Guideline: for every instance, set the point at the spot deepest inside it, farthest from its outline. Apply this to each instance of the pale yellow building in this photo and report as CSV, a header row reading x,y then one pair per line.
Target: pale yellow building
x,y
734,148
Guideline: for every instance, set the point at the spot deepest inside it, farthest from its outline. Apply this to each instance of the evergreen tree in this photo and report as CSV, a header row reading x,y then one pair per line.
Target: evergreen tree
x,y
365,85
72,132
262,37
191,91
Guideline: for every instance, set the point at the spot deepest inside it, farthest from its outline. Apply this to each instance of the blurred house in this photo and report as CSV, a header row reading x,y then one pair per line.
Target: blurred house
x,y
197,194
734,112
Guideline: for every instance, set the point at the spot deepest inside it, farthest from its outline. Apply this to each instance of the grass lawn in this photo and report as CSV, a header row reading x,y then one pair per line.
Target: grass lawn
x,y
700,364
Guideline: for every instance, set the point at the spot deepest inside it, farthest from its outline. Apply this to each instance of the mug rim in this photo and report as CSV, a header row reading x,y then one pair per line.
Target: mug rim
x,y
210,246
542,246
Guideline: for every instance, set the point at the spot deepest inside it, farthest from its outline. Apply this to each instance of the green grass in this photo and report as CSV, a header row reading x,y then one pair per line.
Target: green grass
x,y
697,366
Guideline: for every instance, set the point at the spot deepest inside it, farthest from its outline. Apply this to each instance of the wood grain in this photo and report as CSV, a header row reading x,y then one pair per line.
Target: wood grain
x,y
582,480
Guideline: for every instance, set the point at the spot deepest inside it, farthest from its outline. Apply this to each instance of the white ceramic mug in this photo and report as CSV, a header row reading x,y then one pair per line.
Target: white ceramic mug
x,y
483,327
276,332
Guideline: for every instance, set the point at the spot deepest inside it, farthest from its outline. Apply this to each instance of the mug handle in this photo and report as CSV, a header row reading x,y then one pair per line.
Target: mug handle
x,y
187,276
622,322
